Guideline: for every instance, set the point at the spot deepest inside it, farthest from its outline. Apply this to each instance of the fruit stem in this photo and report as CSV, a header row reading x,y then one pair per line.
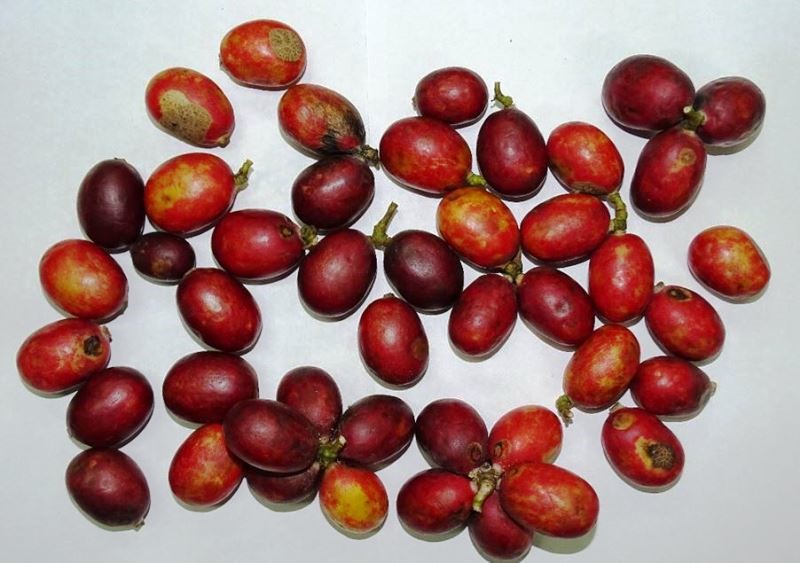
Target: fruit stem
x,y
564,406
693,118
620,222
369,154
513,270
486,477
329,449
380,238
502,99
476,180
240,178
308,235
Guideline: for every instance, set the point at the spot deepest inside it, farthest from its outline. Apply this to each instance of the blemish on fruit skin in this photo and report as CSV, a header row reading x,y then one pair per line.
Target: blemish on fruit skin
x,y
686,157
186,118
286,44
623,421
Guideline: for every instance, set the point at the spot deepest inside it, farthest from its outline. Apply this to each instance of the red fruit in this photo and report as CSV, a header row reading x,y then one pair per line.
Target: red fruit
x,y
728,261
283,488
549,499
203,386
729,111
82,280
425,154
58,357
641,449
455,95
110,408
312,392
496,535
435,502
671,387
263,54
109,487
479,227
111,204
333,192
564,228
337,274
191,107
525,434
684,324
484,316
452,435
257,244
219,310
583,159
353,499
377,430
621,277
162,257
646,93
189,193
669,173
203,473
555,306
392,342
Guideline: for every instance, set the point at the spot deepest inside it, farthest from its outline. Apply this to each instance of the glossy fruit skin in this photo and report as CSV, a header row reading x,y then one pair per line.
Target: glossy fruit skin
x,y
320,120
263,54
353,498
621,277
109,487
82,280
312,392
423,270
270,436
203,473
484,316
564,228
425,154
257,244
733,110
525,434
646,93
728,261
188,193
452,435
219,310
667,386
392,342
668,174
496,535
203,386
583,159
111,204
190,106
284,488
333,192
162,257
478,226
555,306
512,154
377,430
336,275
110,408
683,323
61,355
455,95
643,451
549,499
600,370
435,502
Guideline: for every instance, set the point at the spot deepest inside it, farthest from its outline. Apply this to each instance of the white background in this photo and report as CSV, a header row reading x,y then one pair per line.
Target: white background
x,y
73,84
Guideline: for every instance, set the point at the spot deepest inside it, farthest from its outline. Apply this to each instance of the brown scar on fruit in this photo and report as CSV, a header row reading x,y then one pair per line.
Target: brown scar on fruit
x,y
187,119
623,421
686,157
286,44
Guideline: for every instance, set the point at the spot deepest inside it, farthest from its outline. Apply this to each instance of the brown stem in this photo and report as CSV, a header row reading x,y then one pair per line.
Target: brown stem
x,y
502,99
369,154
513,270
619,224
380,238
564,406
240,178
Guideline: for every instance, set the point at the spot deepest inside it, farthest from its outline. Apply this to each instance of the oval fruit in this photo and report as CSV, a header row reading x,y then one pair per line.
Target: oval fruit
x,y
353,499
671,387
583,159
525,434
435,502
496,535
455,95
452,435
162,257
284,488
377,430
484,316
729,110
312,392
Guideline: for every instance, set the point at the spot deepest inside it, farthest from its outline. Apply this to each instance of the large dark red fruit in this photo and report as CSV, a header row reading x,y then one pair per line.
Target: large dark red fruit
x,y
270,436
392,342
496,535
162,257
455,95
333,192
110,408
484,316
111,204
684,324
525,434
284,488
452,435
583,159
671,387
109,487
435,502
728,112
337,274
555,306
58,357
257,244
646,93
203,386
377,430
353,499
312,392
641,449
219,310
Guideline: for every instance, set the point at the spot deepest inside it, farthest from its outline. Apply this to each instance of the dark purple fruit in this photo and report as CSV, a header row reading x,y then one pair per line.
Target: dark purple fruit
x,y
312,392
377,430
484,316
162,257
284,488
496,535
452,435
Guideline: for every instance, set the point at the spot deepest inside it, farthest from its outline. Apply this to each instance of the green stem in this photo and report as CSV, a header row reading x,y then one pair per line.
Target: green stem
x,y
380,237
240,178
693,119
513,270
329,450
564,406
476,180
619,223
486,478
308,235
502,99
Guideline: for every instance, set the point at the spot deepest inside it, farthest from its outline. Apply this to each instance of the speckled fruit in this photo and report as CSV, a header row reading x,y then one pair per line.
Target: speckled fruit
x,y
435,502
312,392
353,499
377,430
484,316
496,535
642,450
191,107
263,53
671,387
162,257
729,111
82,280
284,488
452,435
525,434
455,95
583,159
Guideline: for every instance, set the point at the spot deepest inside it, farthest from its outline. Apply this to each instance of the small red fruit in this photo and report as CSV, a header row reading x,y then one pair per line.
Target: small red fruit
x,y
312,392
484,316
353,499
728,112
283,488
583,159
455,95
452,435
525,434
496,535
435,502
376,430
671,387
